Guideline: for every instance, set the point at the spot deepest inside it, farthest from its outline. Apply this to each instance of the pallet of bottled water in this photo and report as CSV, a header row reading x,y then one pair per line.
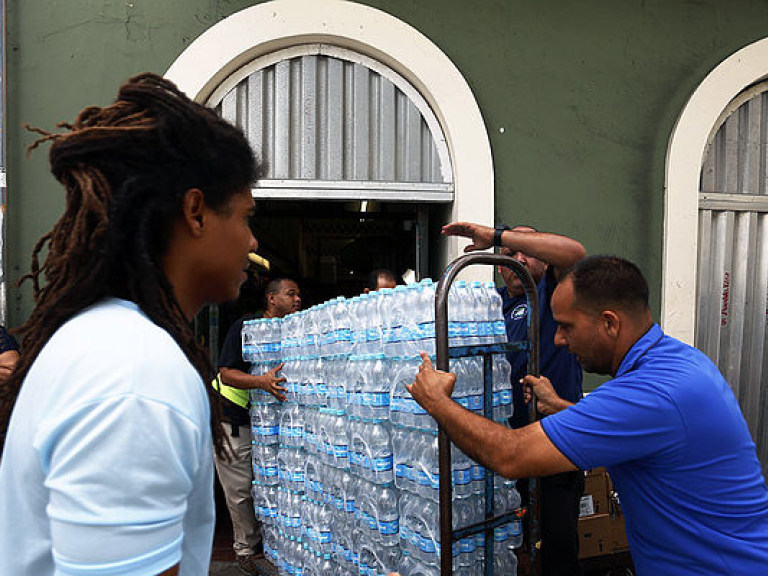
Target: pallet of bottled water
x,y
346,469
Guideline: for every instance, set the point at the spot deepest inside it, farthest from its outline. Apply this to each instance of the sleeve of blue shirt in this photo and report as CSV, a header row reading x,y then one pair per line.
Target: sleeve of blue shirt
x,y
622,420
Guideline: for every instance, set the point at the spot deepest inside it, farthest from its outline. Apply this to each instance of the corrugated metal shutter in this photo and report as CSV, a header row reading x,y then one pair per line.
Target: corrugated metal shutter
x,y
732,313
335,125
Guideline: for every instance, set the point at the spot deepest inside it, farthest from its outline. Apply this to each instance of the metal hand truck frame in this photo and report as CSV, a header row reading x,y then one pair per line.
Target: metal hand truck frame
x,y
443,352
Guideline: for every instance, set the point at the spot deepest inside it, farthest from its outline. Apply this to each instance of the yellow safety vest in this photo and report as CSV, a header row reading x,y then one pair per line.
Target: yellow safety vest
x,y
236,395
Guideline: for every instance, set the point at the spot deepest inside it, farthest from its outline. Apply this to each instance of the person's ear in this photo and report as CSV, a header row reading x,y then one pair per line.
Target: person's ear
x,y
611,323
193,211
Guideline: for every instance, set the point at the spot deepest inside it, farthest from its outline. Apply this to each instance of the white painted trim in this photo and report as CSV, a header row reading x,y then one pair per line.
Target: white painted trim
x,y
266,28
683,168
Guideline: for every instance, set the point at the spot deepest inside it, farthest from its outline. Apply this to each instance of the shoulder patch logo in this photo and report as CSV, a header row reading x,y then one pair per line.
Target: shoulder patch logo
x,y
520,311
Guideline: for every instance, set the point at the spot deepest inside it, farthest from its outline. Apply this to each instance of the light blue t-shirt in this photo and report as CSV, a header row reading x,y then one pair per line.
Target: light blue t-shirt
x,y
676,445
107,467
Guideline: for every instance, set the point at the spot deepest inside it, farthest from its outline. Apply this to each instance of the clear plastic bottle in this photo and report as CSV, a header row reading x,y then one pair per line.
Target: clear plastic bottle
x,y
473,366
425,312
503,407
374,402
426,468
387,515
496,314
481,305
381,457
339,435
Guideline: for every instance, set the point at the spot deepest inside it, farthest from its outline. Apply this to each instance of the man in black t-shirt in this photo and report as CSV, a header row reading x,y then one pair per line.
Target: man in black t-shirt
x,y
282,297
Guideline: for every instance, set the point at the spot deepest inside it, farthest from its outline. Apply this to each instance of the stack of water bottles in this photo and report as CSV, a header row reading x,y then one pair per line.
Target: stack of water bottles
x,y
346,469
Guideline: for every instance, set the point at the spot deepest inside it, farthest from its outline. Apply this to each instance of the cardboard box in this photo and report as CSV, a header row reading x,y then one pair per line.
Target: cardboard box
x,y
595,499
601,523
594,535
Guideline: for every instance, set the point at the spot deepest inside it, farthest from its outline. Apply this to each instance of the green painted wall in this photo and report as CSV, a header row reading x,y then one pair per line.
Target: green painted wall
x,y
586,92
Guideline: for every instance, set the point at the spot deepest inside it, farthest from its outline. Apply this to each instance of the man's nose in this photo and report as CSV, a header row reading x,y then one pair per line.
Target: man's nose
x,y
254,244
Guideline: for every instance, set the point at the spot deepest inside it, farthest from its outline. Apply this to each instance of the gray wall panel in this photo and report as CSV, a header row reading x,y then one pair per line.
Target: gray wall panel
x,y
318,119
733,258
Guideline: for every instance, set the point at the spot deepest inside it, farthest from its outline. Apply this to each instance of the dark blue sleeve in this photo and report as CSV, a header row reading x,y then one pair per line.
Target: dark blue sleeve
x,y
231,355
7,342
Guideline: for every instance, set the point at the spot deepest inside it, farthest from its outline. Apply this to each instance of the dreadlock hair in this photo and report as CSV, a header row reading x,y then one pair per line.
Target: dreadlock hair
x,y
126,168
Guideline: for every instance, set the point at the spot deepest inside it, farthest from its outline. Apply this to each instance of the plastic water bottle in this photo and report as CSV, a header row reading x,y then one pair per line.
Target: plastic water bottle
x,y
461,473
471,315
313,479
265,468
291,426
504,558
374,402
377,561
388,515
359,314
384,307
503,408
403,409
397,321
496,314
455,315
426,468
326,328
339,436
343,317
425,313
474,383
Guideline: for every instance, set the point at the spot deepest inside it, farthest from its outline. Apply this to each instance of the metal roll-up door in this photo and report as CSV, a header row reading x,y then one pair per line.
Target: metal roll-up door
x,y
732,299
335,125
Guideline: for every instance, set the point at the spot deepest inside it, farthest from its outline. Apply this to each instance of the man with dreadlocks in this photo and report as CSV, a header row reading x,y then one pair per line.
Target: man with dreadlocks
x,y
107,464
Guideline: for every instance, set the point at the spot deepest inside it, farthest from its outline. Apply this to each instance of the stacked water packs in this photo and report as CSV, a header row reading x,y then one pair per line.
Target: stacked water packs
x,y
346,469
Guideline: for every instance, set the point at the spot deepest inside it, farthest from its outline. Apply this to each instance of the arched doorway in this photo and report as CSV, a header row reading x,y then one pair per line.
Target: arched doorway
x,y
716,229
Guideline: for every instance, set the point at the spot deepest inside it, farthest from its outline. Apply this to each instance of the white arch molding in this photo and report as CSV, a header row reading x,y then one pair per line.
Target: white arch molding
x,y
683,168
265,28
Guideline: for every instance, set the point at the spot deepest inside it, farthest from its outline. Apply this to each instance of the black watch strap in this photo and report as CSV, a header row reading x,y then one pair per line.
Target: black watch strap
x,y
497,233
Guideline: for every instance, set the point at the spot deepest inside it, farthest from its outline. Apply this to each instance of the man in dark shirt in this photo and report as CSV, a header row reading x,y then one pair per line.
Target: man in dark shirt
x,y
545,256
282,297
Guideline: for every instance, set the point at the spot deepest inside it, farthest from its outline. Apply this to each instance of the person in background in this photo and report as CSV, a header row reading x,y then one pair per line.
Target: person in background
x,y
108,421
282,297
667,427
546,257
9,355
380,278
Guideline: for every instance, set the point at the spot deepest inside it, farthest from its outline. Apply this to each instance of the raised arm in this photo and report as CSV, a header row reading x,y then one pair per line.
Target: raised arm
x,y
554,249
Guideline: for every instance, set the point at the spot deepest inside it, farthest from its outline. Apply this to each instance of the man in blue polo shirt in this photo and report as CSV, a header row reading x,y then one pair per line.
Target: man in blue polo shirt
x,y
545,256
667,427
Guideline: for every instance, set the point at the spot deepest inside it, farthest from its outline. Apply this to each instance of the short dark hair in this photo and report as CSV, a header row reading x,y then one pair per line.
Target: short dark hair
x,y
373,277
608,282
273,287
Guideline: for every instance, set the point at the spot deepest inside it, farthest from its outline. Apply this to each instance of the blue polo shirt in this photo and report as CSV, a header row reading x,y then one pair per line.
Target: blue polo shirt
x,y
676,445
555,362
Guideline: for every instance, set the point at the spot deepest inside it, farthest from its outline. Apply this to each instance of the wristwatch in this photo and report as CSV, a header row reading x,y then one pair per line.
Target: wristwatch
x,y
497,231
